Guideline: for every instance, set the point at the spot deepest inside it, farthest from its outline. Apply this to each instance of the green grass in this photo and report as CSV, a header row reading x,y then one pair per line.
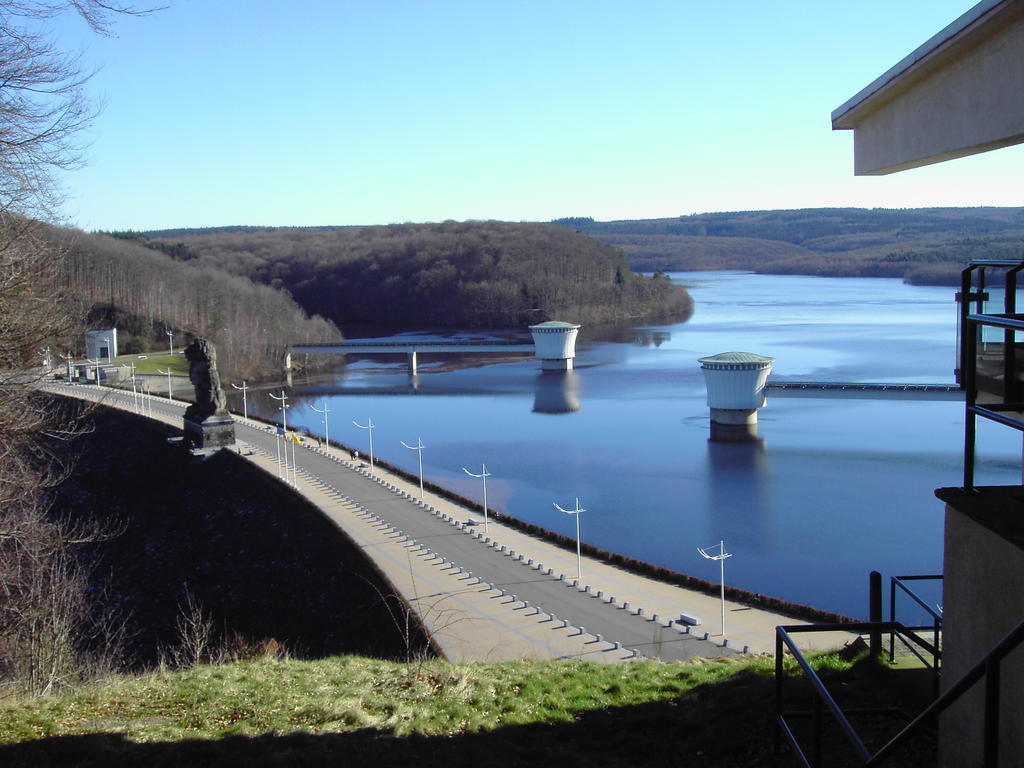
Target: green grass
x,y
359,711
156,362
347,693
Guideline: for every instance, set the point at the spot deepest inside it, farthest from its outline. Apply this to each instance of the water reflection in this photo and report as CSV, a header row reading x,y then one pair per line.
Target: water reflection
x,y
739,489
556,392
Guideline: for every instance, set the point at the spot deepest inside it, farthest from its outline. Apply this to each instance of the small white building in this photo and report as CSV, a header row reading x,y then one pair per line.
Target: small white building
x,y
101,344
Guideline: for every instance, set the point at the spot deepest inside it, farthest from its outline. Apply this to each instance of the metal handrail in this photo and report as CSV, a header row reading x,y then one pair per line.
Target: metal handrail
x,y
1014,322
936,625
1009,322
988,668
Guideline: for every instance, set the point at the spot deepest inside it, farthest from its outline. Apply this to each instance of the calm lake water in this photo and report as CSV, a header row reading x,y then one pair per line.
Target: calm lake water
x,y
834,489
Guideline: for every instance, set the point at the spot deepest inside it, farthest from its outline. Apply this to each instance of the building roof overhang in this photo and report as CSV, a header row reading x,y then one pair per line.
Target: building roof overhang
x,y
960,93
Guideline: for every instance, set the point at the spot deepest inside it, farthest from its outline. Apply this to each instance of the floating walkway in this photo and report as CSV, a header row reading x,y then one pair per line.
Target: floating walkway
x,y
864,390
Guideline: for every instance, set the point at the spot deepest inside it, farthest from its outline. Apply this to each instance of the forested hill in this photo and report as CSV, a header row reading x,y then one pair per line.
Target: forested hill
x,y
143,292
923,245
486,274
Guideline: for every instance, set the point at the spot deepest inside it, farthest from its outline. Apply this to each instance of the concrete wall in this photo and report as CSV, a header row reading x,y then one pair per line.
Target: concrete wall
x,y
983,601
965,97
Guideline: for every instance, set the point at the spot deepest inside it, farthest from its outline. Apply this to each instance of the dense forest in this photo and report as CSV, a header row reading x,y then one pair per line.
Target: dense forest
x,y
924,246
144,291
453,274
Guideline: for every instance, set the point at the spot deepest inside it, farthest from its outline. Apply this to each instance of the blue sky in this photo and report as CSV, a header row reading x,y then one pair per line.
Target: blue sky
x,y
334,112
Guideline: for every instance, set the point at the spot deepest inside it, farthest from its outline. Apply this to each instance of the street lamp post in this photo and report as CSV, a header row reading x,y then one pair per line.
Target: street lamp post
x,y
170,395
170,340
369,427
576,512
70,360
284,420
324,412
484,474
245,402
135,397
720,557
419,453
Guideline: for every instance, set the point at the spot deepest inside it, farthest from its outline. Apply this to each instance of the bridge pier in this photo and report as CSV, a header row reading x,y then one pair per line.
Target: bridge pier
x,y
412,362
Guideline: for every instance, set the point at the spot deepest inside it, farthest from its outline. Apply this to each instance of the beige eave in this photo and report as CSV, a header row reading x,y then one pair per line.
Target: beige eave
x,y
960,93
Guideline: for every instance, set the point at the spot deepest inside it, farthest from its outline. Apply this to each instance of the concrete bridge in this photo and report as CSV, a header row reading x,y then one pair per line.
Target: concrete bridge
x,y
554,344
477,589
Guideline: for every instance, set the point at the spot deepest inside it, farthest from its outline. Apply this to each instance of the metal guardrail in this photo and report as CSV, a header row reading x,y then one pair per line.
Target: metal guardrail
x,y
897,584
988,669
1001,410
823,700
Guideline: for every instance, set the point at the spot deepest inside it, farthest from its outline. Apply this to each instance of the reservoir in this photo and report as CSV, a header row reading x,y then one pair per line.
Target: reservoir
x,y
834,488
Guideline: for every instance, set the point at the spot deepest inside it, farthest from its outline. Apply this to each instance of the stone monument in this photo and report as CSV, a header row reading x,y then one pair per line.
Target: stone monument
x,y
207,421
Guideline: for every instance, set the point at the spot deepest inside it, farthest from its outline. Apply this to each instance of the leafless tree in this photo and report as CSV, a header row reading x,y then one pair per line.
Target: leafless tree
x,y
43,108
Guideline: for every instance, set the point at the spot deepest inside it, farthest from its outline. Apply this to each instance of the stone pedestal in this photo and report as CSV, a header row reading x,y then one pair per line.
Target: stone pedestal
x,y
217,431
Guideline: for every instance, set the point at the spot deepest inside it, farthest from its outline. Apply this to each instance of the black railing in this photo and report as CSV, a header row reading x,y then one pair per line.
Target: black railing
x,y
823,702
1001,393
988,669
898,584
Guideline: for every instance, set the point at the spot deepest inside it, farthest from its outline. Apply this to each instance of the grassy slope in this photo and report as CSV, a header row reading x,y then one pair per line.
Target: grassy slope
x,y
358,711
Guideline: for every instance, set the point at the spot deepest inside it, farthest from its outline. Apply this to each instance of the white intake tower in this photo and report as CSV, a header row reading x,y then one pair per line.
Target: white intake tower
x,y
735,383
555,344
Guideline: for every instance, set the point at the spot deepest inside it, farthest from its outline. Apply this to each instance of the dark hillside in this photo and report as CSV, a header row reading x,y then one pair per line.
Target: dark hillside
x,y
454,274
260,561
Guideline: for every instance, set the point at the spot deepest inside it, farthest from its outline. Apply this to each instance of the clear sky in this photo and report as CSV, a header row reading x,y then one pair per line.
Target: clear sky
x,y
341,112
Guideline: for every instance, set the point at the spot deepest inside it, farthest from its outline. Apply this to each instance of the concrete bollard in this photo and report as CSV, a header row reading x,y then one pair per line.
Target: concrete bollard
x,y
625,606
530,562
671,623
706,636
725,642
599,638
746,649
617,645
611,600
561,577
639,611
583,631
654,617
